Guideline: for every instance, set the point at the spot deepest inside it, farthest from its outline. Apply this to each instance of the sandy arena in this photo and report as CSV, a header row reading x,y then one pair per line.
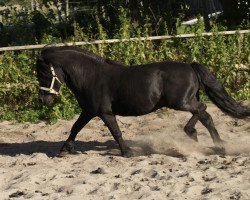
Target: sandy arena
x,y
167,165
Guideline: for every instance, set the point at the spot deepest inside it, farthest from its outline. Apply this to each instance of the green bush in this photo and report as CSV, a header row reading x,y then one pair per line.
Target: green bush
x,y
227,57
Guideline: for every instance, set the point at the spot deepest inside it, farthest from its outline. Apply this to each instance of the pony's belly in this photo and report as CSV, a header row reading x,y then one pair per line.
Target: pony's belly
x,y
136,110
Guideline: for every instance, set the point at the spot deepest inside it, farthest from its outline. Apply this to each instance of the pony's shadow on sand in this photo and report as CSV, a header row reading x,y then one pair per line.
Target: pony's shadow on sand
x,y
52,149
109,147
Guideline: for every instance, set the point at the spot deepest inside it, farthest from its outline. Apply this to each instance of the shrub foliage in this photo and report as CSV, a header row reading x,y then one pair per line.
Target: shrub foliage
x,y
227,57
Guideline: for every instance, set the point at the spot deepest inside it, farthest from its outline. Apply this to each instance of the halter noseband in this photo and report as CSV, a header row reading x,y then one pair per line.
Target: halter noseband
x,y
51,89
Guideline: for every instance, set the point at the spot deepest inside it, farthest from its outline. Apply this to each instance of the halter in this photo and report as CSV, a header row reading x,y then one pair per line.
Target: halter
x,y
51,89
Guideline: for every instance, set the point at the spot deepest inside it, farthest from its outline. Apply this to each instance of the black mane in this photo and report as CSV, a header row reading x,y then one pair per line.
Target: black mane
x,y
84,52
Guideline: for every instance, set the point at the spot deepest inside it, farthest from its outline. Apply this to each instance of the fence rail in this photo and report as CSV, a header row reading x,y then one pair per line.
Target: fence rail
x,y
109,41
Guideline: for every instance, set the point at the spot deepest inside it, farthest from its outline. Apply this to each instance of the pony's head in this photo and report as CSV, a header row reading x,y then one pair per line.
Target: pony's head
x,y
49,83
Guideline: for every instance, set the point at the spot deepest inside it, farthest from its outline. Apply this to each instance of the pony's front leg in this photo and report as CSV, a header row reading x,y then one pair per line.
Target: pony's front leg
x,y
110,121
68,147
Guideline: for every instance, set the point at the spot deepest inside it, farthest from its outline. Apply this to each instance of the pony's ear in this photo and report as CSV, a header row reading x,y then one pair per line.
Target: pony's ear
x,y
41,67
40,63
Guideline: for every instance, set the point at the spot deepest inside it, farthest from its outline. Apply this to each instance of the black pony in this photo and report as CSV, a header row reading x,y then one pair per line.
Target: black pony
x,y
105,88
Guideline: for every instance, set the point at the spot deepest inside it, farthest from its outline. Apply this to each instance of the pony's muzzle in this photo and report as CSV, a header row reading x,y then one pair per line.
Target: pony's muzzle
x,y
46,100
40,99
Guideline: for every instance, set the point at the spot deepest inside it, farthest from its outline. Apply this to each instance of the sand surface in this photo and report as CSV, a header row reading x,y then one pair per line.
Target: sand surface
x,y
167,165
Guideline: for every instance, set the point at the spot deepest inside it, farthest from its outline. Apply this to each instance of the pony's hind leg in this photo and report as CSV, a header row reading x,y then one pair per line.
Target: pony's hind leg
x,y
195,108
198,110
189,128
207,121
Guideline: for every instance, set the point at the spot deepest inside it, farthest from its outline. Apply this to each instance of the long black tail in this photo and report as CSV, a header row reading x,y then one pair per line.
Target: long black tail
x,y
218,94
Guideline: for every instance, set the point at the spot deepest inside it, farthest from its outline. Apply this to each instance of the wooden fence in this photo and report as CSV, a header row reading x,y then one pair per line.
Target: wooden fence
x,y
165,37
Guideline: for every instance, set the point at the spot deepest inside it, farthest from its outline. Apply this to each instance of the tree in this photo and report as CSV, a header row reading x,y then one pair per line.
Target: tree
x,y
205,15
235,11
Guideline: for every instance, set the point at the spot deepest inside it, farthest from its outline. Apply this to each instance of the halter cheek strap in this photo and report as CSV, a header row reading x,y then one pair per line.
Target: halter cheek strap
x,y
51,89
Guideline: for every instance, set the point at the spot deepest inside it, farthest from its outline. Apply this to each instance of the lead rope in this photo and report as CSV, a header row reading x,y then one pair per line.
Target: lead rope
x,y
51,89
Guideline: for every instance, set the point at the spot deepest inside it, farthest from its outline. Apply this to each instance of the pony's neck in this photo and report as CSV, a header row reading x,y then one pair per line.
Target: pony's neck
x,y
79,78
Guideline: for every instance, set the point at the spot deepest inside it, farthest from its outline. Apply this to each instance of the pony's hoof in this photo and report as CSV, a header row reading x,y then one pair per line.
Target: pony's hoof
x,y
194,137
128,153
192,133
66,153
62,154
67,148
220,148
